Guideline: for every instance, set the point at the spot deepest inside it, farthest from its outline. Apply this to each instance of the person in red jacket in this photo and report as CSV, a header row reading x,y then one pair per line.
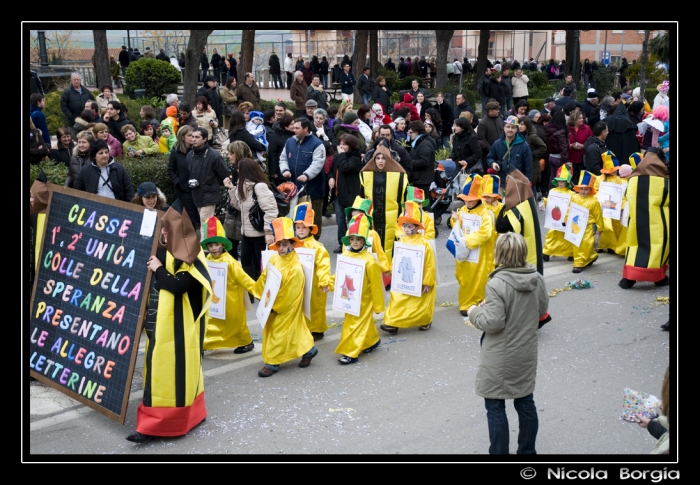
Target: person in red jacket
x,y
579,132
408,102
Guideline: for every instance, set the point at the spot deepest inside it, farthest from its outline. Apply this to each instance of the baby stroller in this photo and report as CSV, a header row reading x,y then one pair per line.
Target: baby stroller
x,y
443,189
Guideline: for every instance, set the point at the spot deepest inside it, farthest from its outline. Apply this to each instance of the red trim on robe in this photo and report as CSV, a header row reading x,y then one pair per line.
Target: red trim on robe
x,y
170,421
644,274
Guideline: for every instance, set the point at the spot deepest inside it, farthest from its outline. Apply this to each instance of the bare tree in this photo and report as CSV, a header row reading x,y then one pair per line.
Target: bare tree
x,y
102,74
195,45
248,49
374,52
643,67
359,58
443,38
482,56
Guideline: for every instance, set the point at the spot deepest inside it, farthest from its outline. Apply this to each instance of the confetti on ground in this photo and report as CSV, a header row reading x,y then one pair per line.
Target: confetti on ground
x,y
663,300
341,410
579,284
331,325
447,304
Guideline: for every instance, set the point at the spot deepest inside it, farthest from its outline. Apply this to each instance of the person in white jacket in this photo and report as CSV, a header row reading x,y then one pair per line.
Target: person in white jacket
x,y
519,84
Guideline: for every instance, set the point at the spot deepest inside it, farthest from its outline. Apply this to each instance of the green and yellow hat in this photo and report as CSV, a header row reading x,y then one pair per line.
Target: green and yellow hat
x,y
360,204
214,233
358,226
416,195
563,175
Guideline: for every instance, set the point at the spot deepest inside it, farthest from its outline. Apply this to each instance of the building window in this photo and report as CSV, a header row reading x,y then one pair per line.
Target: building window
x,y
617,31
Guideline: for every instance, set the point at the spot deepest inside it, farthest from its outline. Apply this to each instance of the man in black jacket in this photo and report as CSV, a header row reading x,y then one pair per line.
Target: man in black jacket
x,y
390,66
124,59
462,106
422,156
382,94
275,70
73,99
210,91
447,116
365,85
204,62
594,148
162,56
216,65
484,88
35,85
403,72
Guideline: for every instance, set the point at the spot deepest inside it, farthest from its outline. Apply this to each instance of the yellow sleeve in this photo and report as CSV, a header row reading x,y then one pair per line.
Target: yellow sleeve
x,y
260,284
429,269
290,294
379,251
482,236
429,228
242,277
323,266
376,284
597,214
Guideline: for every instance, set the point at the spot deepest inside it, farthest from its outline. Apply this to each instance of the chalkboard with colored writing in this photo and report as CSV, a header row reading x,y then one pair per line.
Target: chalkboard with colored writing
x,y
89,298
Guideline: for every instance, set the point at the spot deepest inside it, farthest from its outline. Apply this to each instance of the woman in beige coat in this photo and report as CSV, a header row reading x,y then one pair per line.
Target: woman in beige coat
x,y
252,181
205,116
229,98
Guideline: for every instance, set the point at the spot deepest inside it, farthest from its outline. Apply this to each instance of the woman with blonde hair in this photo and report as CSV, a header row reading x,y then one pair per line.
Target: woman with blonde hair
x,y
205,116
246,107
344,107
101,132
237,150
80,157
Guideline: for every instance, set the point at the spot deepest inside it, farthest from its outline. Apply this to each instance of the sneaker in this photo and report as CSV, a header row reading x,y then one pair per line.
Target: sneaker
x,y
423,328
626,284
306,361
345,360
317,335
266,371
369,350
244,349
545,257
570,258
338,250
139,438
577,269
389,329
663,282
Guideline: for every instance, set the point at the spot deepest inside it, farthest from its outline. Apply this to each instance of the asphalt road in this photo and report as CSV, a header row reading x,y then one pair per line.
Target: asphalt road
x,y
413,396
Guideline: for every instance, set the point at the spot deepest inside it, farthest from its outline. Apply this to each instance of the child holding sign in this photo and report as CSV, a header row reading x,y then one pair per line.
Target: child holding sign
x,y
418,195
229,330
304,228
491,197
285,334
585,254
475,221
554,242
365,206
610,231
359,332
406,308
624,173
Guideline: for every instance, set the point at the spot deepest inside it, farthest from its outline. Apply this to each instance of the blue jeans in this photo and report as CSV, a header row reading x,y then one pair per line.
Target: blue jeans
x,y
484,100
499,433
277,81
324,80
366,98
340,219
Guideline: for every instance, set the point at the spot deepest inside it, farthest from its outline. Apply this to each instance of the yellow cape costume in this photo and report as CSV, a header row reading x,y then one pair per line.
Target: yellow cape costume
x,y
554,242
322,277
472,277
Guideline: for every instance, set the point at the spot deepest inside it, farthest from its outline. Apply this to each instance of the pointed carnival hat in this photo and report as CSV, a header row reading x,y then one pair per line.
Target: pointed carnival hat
x,y
472,188
359,204
563,175
610,163
358,226
635,159
283,228
214,233
182,242
587,179
416,195
412,214
304,214
491,186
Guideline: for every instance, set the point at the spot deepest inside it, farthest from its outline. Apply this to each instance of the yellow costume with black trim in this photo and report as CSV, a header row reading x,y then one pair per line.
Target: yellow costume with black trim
x,y
360,333
285,335
648,230
322,277
405,311
173,397
611,230
472,277
585,253
529,228
232,331
554,242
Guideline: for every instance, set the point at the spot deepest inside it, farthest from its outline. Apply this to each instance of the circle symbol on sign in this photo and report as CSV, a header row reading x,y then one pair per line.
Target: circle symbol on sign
x,y
528,473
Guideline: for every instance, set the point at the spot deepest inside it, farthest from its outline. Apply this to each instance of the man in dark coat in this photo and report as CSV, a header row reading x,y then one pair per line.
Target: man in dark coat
x,y
462,106
403,69
422,156
162,56
382,94
390,66
275,70
124,59
73,99
210,91
204,63
209,170
622,137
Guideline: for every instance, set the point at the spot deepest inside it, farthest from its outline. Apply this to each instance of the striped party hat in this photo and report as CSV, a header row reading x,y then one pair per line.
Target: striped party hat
x,y
304,214
412,214
360,204
416,195
358,226
587,179
610,163
563,175
491,186
472,188
635,159
283,228
214,232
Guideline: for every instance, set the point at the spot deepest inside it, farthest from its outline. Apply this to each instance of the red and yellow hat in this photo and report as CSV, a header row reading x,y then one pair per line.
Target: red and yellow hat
x,y
412,214
214,233
472,188
587,179
491,186
304,214
358,226
416,195
563,175
610,163
283,228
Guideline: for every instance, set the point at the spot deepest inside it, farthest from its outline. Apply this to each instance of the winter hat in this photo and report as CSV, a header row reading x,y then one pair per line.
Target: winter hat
x,y
283,228
563,175
358,226
548,100
146,189
625,171
610,163
165,125
171,111
349,117
512,120
412,214
491,186
304,214
592,94
214,232
635,159
472,189
360,204
493,105
407,98
257,114
311,102
587,179
416,195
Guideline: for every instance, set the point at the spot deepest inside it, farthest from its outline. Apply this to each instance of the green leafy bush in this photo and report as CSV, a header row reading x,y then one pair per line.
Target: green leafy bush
x,y
158,78
604,81
537,79
265,105
133,107
536,103
392,78
55,174
53,113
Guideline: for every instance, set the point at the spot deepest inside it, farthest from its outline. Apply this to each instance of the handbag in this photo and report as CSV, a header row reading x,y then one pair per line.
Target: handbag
x,y
219,138
257,215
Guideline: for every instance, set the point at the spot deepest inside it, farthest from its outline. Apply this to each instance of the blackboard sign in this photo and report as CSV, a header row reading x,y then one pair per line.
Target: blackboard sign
x,y
89,298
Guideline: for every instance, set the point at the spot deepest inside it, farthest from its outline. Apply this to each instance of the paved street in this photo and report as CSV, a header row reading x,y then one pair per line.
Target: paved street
x,y
415,393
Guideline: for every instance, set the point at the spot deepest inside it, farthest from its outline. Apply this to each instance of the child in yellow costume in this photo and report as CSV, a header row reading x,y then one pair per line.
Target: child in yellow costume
x,y
359,333
366,207
285,334
418,195
405,311
610,232
472,277
554,242
231,332
624,173
491,197
304,228
585,255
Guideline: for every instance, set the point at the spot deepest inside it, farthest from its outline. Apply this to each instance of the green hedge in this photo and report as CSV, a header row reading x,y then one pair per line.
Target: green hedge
x,y
158,78
55,174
